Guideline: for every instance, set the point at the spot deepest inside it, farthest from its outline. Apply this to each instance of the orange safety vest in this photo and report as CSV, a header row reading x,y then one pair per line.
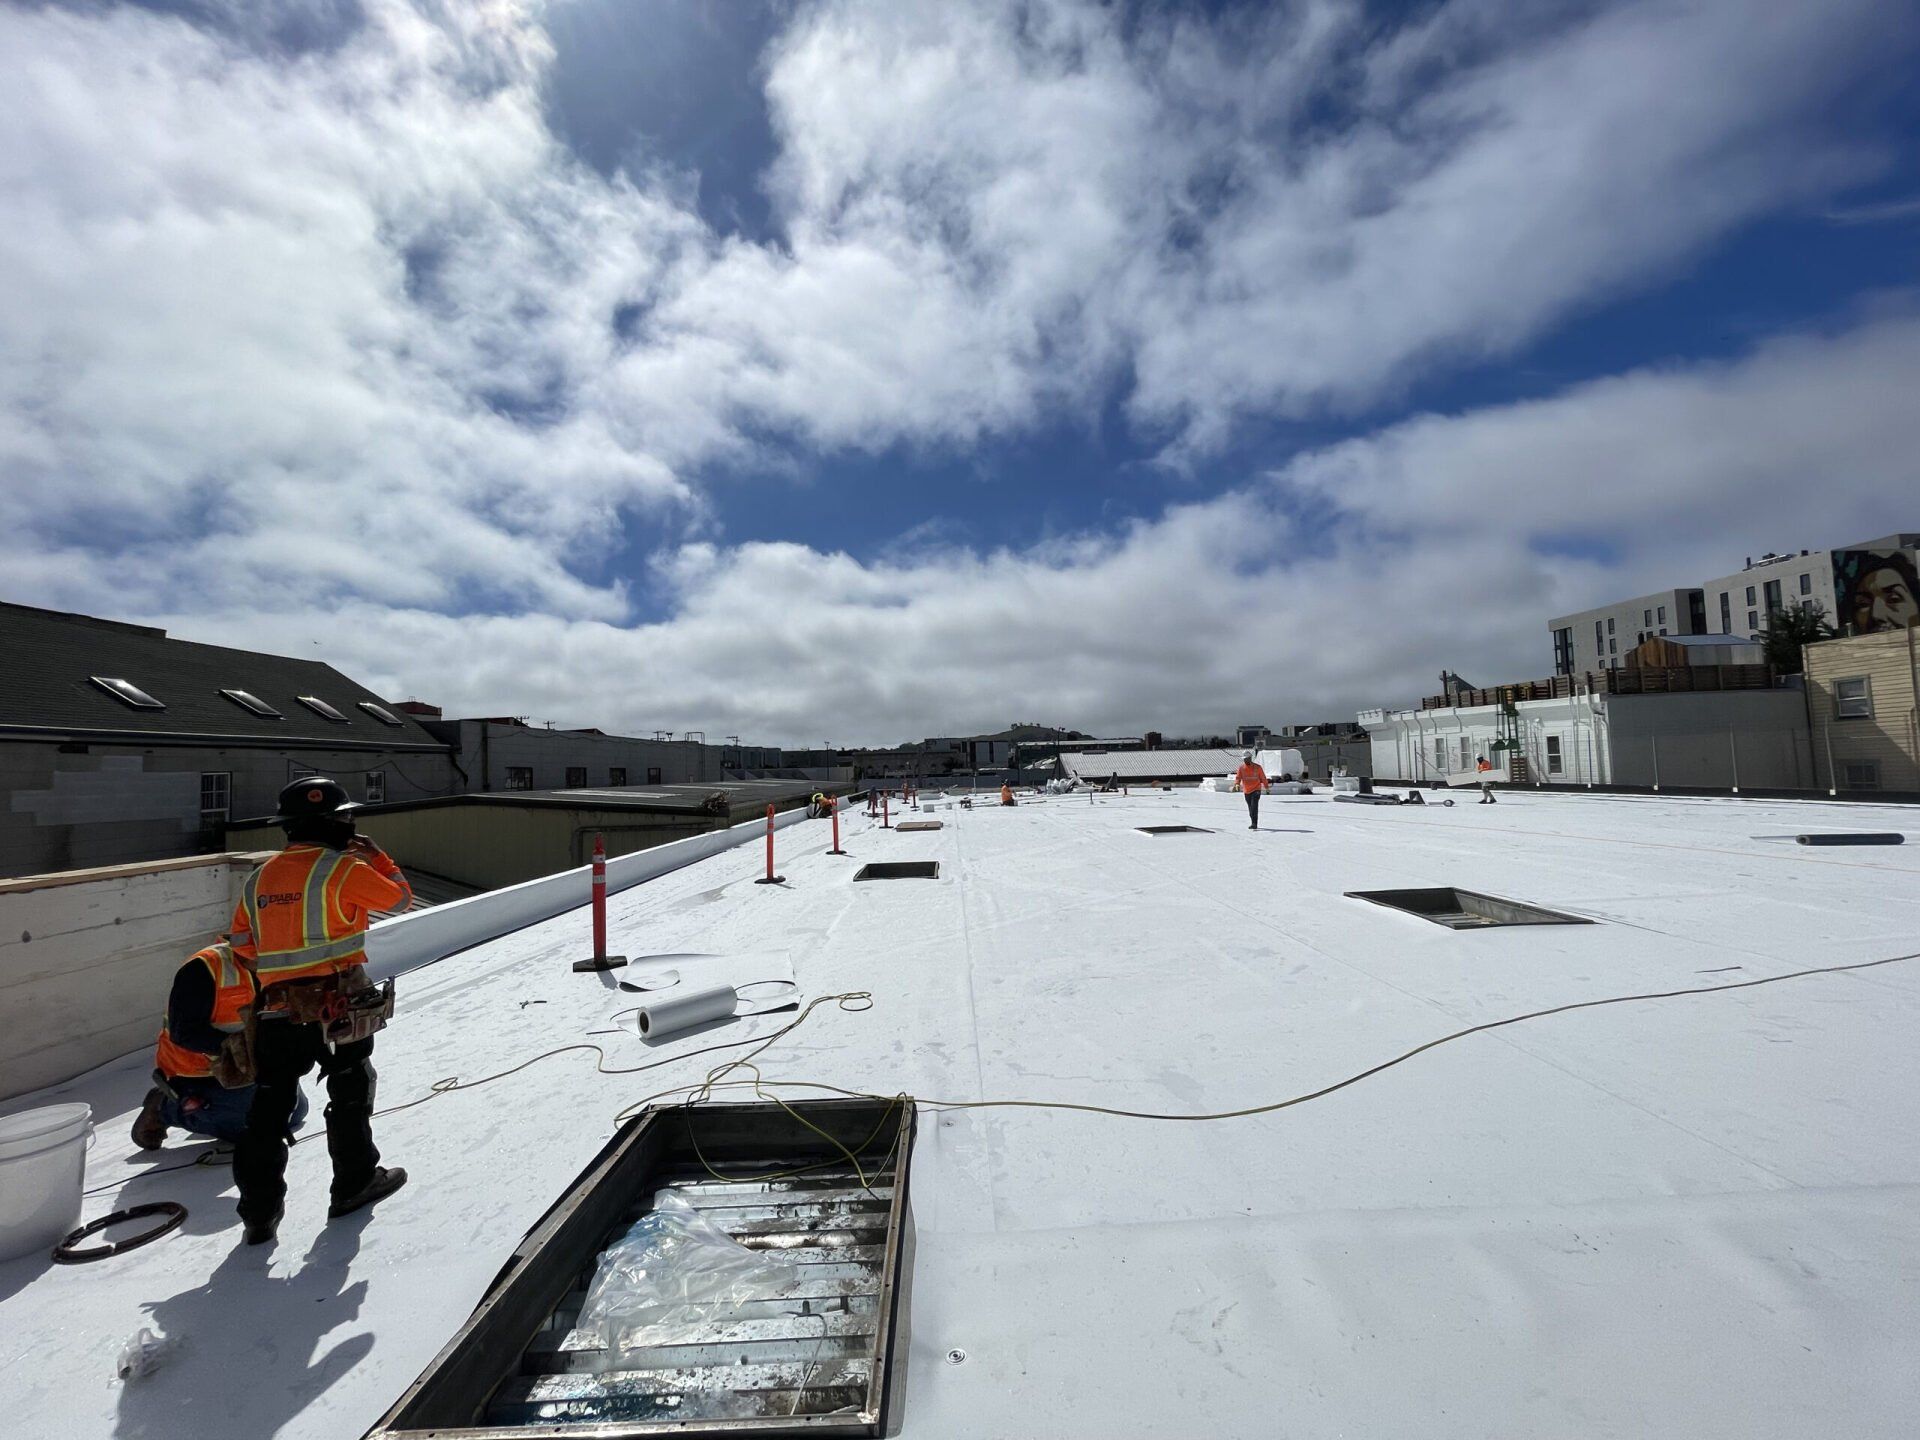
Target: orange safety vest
x,y
233,992
304,913
1251,777
1484,766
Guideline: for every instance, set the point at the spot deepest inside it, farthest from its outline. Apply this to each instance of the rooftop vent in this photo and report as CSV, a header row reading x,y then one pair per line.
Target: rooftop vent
x,y
908,826
899,870
322,708
1465,909
247,700
1173,830
825,1356
380,713
128,692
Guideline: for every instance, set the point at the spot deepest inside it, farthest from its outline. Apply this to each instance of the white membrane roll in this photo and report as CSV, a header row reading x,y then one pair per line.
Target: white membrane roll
x,y
672,1013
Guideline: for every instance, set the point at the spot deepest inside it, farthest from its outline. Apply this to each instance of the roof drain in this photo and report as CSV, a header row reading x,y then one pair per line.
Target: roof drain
x,y
1173,830
825,1357
1465,909
899,870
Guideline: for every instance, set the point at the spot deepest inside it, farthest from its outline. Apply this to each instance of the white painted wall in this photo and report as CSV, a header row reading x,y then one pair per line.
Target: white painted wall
x,y
87,958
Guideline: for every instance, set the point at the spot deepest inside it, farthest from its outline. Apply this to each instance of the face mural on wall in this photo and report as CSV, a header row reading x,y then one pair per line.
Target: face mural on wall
x,y
1878,590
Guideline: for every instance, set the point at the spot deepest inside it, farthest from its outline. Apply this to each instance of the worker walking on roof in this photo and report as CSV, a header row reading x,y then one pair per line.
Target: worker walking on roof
x,y
302,925
1252,780
1484,767
203,1063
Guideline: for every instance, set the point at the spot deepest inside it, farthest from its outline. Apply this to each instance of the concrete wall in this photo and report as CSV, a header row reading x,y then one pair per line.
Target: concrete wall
x,y
87,958
1889,738
114,805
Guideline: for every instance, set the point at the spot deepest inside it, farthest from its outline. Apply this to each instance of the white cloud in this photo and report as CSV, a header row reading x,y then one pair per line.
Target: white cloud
x,y
1223,611
323,343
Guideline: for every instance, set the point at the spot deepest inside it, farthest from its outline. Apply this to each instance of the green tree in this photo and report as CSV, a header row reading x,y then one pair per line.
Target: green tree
x,y
1788,630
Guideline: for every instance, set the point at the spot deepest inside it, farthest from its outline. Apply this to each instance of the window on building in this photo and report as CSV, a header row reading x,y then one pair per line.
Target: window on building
x,y
127,692
1609,625
576,776
653,775
519,777
1553,754
1726,613
1613,647
1753,623
321,708
376,787
1562,651
1599,638
247,700
1663,629
1661,612
216,794
1646,616
1466,754
1806,584
1750,594
617,775
1772,590
379,712
1853,698
1860,774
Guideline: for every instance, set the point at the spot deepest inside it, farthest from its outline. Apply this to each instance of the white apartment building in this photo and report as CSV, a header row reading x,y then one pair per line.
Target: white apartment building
x,y
1598,639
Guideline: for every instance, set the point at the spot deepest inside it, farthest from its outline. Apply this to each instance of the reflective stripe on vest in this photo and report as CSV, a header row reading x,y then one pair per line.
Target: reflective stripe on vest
x,y
317,951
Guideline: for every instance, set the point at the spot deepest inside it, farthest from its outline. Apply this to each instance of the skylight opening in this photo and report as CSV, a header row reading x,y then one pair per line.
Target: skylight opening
x,y
899,870
1173,830
1465,909
127,692
247,700
819,1350
380,713
322,708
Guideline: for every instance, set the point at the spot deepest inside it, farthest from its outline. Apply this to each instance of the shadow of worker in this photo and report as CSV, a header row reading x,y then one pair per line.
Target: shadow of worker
x,y
253,1347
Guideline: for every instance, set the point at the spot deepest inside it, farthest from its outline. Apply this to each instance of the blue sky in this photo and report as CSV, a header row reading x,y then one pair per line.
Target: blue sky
x,y
769,367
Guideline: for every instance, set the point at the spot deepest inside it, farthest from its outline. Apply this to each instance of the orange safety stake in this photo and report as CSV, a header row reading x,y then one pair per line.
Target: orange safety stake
x,y
833,809
770,878
600,960
885,822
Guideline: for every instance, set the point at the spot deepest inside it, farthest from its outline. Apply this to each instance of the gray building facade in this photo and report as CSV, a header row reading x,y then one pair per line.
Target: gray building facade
x,y
120,744
1597,639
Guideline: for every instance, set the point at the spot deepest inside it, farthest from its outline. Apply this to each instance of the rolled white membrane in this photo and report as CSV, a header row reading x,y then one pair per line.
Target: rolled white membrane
x,y
670,1014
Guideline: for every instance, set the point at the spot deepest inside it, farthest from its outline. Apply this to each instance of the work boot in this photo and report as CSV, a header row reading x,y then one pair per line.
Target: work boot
x,y
265,1230
150,1125
386,1179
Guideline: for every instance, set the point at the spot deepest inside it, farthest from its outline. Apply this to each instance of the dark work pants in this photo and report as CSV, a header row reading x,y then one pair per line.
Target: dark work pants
x,y
283,1052
1253,806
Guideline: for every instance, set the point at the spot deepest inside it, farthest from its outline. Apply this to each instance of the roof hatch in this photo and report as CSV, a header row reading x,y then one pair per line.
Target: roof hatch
x,y
380,713
1173,830
825,1356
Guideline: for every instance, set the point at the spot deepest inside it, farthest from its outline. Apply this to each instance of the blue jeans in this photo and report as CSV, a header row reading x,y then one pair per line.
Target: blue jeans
x,y
205,1107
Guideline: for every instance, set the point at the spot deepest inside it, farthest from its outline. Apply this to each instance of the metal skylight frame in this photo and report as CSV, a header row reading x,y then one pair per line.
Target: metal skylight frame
x,y
127,693
251,702
321,708
380,713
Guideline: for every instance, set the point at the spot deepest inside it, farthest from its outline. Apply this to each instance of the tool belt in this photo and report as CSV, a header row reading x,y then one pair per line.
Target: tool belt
x,y
347,1006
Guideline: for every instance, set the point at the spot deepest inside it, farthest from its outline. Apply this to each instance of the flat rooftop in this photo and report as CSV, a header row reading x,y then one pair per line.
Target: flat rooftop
x,y
1692,1216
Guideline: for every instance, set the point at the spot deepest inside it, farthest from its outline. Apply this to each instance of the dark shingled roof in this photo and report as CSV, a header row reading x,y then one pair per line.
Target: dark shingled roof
x,y
48,658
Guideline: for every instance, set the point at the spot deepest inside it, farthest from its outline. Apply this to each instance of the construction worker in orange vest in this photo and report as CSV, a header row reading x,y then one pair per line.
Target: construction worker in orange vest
x,y
1252,781
1484,767
203,1064
1006,793
301,925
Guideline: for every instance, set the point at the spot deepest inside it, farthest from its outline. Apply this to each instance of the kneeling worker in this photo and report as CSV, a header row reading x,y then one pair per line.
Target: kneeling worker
x,y
203,1064
1006,793
302,925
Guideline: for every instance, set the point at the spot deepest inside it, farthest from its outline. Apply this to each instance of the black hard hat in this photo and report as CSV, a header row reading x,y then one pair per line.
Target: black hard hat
x,y
312,798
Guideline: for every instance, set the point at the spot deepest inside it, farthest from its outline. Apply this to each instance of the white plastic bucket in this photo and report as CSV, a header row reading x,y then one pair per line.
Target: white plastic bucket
x,y
43,1164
